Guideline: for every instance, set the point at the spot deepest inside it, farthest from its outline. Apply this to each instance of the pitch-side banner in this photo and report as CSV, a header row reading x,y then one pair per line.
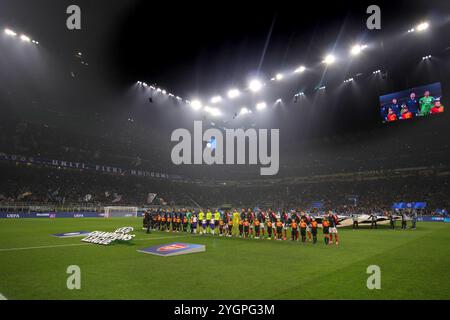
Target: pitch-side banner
x,y
409,205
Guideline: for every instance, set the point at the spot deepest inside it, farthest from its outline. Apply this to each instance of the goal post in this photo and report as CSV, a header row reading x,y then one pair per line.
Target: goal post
x,y
119,211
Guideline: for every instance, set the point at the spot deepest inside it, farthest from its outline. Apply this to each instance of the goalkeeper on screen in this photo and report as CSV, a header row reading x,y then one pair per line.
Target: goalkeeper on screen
x,y
426,103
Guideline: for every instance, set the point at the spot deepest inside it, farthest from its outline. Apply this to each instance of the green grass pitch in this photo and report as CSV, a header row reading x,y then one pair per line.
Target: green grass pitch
x,y
414,264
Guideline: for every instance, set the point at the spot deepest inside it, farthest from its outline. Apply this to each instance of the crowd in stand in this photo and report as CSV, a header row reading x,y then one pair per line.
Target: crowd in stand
x,y
131,149
34,185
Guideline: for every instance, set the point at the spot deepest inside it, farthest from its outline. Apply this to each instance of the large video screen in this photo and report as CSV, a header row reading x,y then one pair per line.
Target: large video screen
x,y
411,103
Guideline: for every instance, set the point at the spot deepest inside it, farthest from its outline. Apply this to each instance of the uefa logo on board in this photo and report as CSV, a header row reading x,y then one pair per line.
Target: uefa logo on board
x,y
172,247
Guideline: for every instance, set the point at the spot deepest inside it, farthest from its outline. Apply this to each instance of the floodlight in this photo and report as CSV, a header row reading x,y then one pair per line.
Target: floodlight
x,y
10,32
216,99
356,49
300,69
261,106
329,59
255,85
196,104
422,26
244,110
25,38
233,93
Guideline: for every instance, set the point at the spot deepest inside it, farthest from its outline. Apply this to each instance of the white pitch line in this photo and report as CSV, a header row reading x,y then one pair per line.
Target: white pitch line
x,y
78,244
43,247
2,297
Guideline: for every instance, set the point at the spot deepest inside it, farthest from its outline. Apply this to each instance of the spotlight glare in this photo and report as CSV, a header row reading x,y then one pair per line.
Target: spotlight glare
x,y
329,59
215,112
279,100
25,38
255,85
300,69
233,93
422,26
196,104
216,99
356,49
10,32
244,110
279,76
261,106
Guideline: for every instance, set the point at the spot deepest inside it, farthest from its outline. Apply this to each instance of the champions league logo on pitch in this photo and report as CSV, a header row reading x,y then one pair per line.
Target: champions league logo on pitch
x,y
106,238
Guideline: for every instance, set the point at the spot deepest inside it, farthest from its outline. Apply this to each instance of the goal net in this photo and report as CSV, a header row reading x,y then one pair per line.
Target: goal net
x,y
118,211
